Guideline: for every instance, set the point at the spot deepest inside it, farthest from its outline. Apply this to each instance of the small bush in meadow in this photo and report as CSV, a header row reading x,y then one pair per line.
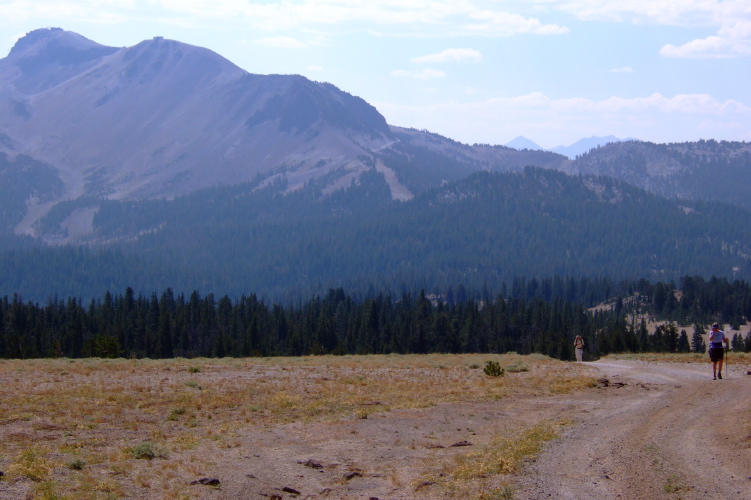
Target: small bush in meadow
x,y
516,367
176,413
76,464
147,451
493,369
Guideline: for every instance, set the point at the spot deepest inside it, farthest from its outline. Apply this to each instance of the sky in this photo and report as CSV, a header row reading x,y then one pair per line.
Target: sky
x,y
477,71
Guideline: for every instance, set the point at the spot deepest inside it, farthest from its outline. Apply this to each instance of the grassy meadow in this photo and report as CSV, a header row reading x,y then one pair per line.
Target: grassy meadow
x,y
97,428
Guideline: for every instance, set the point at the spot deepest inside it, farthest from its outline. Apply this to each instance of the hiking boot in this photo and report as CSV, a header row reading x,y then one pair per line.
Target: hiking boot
x,y
719,376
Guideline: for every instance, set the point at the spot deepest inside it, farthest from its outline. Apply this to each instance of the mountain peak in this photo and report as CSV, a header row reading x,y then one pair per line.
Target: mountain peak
x,y
41,39
583,145
33,37
523,143
47,57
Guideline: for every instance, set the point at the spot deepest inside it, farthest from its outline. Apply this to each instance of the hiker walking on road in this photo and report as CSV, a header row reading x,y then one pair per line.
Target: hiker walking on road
x,y
579,346
716,350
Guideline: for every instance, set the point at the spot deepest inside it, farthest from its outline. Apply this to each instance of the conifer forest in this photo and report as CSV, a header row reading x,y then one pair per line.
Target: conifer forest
x,y
532,316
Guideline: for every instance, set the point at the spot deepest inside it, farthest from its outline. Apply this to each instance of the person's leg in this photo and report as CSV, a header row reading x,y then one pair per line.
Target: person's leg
x,y
719,365
714,369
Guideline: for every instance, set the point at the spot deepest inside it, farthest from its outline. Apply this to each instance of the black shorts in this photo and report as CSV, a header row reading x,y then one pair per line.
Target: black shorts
x,y
716,353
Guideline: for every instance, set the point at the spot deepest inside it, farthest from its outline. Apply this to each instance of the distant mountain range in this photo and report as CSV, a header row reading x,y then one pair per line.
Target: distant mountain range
x,y
135,149
572,151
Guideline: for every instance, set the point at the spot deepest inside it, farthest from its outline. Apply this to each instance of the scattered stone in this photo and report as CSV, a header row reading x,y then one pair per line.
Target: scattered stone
x,y
291,491
251,476
748,372
423,484
352,475
310,463
208,481
2,473
434,446
461,443
603,382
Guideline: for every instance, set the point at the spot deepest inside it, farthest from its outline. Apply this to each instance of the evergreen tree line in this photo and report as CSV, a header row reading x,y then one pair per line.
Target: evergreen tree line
x,y
166,326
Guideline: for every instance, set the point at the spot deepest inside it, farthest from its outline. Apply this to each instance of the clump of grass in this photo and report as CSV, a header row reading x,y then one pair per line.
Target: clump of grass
x,y
504,455
193,384
673,484
362,414
517,366
505,492
45,490
148,451
493,369
31,463
176,413
194,369
77,464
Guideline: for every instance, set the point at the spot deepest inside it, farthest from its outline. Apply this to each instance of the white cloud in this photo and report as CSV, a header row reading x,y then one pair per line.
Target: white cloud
x,y
665,12
499,23
282,42
92,11
550,122
451,55
432,18
732,19
422,74
731,41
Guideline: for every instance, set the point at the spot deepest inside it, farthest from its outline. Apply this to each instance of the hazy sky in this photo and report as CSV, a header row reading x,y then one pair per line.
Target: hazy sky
x,y
485,71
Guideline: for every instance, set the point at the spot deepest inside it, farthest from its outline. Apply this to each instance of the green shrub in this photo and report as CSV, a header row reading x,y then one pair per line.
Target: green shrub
x,y
176,413
493,369
147,451
517,366
76,464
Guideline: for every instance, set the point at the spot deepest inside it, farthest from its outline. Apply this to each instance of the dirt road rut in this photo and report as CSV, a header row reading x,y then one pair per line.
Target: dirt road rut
x,y
668,432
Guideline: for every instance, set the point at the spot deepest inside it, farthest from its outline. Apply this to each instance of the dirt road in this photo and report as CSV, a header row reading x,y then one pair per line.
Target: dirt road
x,y
670,432
658,430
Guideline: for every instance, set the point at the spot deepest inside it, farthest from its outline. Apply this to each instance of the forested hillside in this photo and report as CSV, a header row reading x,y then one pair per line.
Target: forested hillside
x,y
707,170
535,317
481,232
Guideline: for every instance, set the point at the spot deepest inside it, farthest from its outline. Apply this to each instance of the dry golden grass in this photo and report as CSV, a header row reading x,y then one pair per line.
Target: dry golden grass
x,y
487,472
110,428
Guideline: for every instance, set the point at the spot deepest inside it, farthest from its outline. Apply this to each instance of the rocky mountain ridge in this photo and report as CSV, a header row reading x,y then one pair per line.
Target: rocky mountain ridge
x,y
163,119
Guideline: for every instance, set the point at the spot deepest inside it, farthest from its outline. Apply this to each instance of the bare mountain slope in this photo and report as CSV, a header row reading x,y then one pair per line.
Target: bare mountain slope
x,y
164,118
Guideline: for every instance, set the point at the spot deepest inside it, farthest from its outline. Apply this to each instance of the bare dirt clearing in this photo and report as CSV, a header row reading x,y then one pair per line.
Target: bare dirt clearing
x,y
385,427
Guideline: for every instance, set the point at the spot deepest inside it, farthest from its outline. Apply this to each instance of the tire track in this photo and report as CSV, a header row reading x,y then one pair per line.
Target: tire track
x,y
670,432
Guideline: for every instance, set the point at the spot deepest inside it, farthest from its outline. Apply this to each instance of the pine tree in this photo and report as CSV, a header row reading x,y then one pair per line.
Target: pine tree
x,y
697,340
683,345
